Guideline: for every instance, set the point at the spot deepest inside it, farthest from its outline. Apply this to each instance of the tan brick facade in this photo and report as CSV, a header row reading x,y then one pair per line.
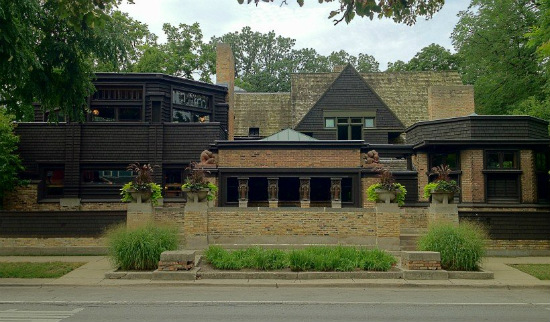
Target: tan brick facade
x,y
472,179
450,101
420,163
225,73
267,111
405,93
290,158
528,177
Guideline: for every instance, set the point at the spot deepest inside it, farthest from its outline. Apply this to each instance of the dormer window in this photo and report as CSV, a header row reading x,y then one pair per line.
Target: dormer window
x,y
349,125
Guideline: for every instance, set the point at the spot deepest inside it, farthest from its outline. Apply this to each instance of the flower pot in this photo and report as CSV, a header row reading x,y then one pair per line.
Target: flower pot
x,y
141,196
196,196
385,196
443,197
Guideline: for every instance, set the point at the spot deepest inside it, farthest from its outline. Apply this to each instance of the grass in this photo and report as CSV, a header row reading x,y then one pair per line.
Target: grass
x,y
140,248
308,259
540,271
461,247
36,270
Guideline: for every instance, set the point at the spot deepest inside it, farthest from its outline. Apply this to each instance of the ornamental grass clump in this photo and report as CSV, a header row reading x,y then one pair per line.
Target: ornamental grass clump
x,y
140,248
462,247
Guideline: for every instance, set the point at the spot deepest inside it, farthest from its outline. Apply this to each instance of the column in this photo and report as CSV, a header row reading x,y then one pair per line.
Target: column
x,y
273,192
336,192
305,190
243,192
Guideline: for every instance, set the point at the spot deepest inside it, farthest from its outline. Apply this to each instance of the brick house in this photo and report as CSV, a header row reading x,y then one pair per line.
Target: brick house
x,y
303,149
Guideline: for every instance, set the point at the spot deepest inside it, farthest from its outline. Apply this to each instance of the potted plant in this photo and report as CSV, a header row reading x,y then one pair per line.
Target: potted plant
x,y
443,187
197,186
142,188
387,190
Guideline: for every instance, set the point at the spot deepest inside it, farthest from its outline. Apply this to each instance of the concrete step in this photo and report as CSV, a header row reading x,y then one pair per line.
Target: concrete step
x,y
408,241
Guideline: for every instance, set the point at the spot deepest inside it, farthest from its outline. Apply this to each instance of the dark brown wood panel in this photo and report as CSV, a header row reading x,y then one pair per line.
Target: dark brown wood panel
x,y
512,225
58,224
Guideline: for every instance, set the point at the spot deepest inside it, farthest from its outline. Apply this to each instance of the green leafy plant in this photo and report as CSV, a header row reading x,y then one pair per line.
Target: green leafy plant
x,y
10,162
143,182
442,183
316,258
140,248
387,182
461,247
196,181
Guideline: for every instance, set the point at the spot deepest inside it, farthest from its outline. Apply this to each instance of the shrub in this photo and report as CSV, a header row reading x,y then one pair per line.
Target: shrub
x,y
377,260
461,247
140,249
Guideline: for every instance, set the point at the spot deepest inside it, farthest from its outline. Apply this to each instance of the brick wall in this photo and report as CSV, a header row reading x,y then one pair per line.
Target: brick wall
x,y
365,184
450,101
405,93
528,177
531,245
420,163
472,179
52,242
25,198
225,73
289,158
270,112
414,221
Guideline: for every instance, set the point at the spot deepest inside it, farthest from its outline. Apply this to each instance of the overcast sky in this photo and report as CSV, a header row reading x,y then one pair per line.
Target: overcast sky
x,y
385,40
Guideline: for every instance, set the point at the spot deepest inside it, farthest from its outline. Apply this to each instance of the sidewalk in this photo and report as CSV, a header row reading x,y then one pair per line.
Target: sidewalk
x,y
93,273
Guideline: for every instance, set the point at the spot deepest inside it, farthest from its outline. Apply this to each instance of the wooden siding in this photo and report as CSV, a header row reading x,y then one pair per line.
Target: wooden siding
x,y
58,224
350,92
472,128
512,225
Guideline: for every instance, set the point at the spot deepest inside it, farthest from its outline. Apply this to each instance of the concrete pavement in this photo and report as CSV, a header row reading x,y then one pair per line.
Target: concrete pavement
x,y
93,273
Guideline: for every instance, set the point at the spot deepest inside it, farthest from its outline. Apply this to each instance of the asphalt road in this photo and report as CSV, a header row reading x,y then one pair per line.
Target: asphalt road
x,y
177,303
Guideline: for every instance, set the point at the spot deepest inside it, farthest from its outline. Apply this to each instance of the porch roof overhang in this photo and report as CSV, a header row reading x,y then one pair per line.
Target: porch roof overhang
x,y
483,143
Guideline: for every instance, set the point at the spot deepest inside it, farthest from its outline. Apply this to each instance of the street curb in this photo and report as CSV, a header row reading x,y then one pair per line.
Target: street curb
x,y
278,284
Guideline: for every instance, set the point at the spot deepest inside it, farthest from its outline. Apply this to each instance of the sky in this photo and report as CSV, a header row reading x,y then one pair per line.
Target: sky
x,y
386,40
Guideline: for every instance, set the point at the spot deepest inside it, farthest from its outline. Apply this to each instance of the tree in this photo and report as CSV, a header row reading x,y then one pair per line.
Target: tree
x,y
10,164
264,62
402,11
490,41
134,38
184,54
433,57
47,49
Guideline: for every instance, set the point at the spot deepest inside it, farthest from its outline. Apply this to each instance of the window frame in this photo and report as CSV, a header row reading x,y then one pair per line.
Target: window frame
x,y
500,173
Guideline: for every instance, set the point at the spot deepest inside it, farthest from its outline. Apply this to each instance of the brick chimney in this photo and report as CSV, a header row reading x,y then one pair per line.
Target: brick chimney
x,y
225,75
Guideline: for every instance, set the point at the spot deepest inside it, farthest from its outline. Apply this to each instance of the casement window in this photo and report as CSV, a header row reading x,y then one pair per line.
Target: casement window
x,y
502,176
349,125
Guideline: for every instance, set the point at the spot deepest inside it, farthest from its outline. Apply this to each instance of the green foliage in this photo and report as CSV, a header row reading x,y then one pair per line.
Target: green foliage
x,y
433,57
265,61
491,44
429,188
140,249
462,247
400,11
47,53
143,182
400,192
10,163
308,259
196,181
36,270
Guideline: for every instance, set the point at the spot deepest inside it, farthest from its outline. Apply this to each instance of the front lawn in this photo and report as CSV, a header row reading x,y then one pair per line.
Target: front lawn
x,y
540,271
36,270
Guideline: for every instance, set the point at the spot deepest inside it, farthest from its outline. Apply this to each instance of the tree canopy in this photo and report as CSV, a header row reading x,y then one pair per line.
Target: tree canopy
x,y
491,44
402,11
433,57
10,164
47,50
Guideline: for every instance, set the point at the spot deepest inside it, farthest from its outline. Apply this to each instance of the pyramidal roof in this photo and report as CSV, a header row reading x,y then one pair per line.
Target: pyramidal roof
x,y
349,92
289,135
